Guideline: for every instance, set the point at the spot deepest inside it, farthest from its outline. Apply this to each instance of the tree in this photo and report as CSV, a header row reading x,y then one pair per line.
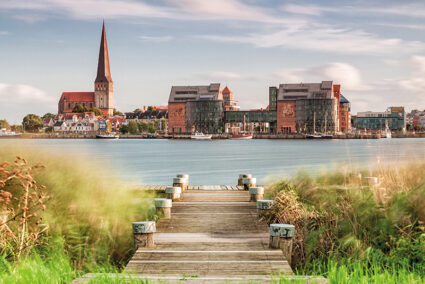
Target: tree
x,y
143,127
133,127
417,128
79,108
32,123
150,108
48,115
96,111
108,126
137,110
117,112
4,124
151,128
408,127
124,129
16,128
49,129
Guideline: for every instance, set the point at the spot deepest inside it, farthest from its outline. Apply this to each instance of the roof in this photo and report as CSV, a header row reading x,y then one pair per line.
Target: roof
x,y
321,90
78,97
103,70
181,94
343,100
226,90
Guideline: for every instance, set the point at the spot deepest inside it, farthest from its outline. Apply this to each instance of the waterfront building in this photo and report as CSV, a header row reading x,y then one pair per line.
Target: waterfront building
x,y
344,115
156,115
416,120
394,118
102,96
196,109
306,107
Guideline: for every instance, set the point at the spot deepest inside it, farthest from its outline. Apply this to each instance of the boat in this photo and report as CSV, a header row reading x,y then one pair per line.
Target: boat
x,y
107,136
241,136
201,136
314,136
4,133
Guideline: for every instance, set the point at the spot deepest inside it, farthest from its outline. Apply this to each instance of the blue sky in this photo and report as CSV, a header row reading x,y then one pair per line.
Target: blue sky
x,y
375,49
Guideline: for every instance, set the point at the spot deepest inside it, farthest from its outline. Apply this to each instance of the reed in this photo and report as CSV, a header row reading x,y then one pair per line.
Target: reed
x,y
340,220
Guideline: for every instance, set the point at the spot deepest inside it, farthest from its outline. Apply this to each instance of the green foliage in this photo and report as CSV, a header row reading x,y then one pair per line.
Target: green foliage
x,y
340,219
4,124
49,129
16,128
32,123
124,129
117,112
143,127
133,127
151,128
95,229
96,111
79,108
108,126
48,115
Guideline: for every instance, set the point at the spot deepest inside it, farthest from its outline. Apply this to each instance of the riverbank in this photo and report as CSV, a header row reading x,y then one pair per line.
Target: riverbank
x,y
214,136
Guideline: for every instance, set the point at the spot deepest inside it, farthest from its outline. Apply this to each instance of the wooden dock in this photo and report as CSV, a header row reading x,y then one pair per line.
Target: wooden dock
x,y
191,187
213,236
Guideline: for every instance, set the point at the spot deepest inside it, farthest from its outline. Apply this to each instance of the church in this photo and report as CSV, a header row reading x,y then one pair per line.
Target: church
x,y
103,95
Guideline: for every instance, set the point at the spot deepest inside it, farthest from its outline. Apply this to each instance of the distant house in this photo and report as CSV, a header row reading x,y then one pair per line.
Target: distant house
x,y
48,122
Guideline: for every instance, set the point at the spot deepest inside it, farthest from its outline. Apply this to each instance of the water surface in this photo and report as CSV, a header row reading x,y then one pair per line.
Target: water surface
x,y
221,161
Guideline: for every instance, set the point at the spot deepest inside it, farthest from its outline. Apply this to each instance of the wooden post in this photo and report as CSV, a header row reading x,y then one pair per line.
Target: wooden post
x,y
249,182
281,237
370,181
163,207
173,192
263,206
143,234
181,182
256,193
241,177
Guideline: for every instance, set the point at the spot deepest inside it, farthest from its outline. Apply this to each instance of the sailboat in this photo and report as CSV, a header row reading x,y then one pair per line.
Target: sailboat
x,y
314,135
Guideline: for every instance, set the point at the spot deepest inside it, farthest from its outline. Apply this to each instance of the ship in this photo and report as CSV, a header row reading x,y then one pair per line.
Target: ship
x,y
200,136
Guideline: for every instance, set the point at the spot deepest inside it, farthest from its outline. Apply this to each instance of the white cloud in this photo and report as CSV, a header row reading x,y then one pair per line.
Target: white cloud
x,y
23,95
156,39
311,10
341,73
319,37
4,33
222,76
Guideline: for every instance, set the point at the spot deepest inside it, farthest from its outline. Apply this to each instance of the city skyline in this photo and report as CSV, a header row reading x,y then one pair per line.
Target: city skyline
x,y
375,52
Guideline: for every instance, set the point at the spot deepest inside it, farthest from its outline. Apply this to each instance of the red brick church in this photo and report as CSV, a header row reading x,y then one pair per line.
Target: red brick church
x,y
103,95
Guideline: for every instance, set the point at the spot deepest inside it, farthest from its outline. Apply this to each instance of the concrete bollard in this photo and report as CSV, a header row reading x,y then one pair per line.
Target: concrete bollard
x,y
256,193
281,237
249,182
241,177
143,234
370,180
263,206
173,192
181,182
163,207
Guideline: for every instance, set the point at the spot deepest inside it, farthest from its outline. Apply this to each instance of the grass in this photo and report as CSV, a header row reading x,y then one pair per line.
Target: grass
x,y
352,232
89,216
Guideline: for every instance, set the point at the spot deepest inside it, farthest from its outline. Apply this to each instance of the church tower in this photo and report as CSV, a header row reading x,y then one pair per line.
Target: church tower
x,y
103,85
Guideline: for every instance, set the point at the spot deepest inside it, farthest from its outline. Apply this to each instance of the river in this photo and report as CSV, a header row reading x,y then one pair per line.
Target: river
x,y
214,162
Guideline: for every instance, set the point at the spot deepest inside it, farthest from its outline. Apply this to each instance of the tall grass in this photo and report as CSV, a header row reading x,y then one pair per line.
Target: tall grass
x,y
340,220
88,214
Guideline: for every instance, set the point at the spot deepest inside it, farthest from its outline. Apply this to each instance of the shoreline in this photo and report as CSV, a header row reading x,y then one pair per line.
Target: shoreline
x,y
215,136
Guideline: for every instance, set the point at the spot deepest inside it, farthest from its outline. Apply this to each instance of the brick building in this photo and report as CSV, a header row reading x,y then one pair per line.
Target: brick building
x,y
196,109
306,107
103,94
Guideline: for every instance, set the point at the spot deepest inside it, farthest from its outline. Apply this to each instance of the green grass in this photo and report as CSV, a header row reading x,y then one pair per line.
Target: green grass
x,y
89,215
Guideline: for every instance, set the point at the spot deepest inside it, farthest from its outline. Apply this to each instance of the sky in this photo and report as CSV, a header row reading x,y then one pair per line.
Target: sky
x,y
374,49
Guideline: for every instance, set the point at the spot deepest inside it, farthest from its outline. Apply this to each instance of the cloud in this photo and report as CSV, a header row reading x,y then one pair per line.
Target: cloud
x,y
319,37
4,33
341,73
311,10
23,95
156,39
220,76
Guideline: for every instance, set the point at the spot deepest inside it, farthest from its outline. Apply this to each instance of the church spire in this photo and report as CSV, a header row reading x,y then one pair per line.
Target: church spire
x,y
103,71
